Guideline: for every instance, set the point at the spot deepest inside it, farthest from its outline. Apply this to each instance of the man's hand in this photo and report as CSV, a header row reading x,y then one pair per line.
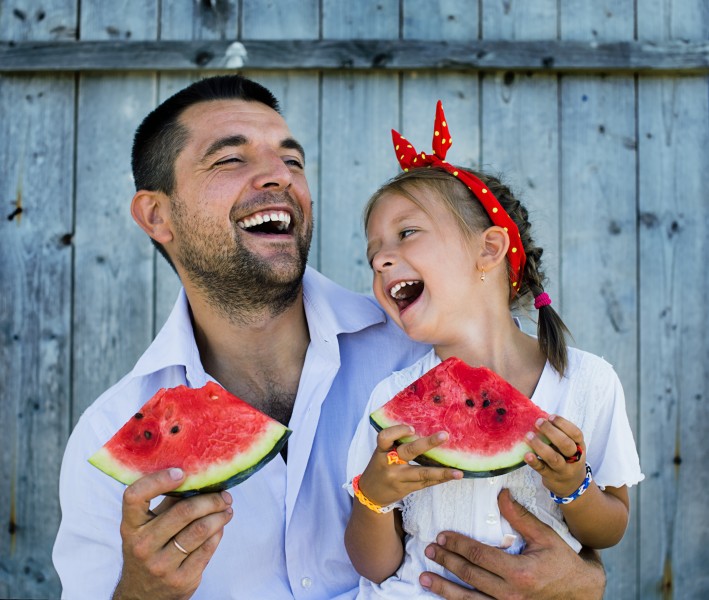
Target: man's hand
x,y
547,569
154,566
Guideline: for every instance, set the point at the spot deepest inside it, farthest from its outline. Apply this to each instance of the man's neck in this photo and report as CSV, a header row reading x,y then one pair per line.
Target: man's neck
x,y
260,362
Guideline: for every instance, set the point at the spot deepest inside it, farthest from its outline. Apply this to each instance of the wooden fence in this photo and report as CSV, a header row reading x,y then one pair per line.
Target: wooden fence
x,y
597,112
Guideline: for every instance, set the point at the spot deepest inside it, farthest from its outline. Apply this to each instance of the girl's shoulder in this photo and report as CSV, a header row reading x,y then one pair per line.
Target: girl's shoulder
x,y
584,366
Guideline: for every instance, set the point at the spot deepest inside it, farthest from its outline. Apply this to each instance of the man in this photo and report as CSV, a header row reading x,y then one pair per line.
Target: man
x,y
222,193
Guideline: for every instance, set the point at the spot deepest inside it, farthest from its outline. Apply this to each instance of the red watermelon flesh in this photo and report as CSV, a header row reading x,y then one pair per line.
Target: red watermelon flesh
x,y
486,418
216,438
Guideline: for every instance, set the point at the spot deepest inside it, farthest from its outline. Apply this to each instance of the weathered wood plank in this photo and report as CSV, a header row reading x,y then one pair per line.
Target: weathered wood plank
x,y
357,113
673,153
598,228
282,20
199,20
674,214
36,237
114,259
358,54
520,131
39,20
36,226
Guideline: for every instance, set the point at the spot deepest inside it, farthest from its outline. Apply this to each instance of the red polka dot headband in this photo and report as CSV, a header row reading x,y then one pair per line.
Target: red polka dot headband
x,y
409,158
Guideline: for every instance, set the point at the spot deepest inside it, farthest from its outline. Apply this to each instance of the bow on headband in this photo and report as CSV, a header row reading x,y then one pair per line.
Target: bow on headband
x,y
409,158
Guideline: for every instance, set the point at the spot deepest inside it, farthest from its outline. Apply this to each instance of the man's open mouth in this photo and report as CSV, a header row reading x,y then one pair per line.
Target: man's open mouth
x,y
405,293
267,221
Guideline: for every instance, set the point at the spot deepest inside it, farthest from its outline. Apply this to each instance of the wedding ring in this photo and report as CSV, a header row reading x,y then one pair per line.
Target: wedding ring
x,y
180,548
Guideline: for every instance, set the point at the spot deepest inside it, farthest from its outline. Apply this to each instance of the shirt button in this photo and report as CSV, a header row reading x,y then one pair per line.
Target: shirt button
x,y
491,480
491,519
306,582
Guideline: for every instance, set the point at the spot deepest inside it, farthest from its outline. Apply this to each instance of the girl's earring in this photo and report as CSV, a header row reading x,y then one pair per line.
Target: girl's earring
x,y
482,275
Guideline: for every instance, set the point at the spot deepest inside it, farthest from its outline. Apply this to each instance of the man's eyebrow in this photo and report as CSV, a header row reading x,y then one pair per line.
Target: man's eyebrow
x,y
240,140
217,145
293,144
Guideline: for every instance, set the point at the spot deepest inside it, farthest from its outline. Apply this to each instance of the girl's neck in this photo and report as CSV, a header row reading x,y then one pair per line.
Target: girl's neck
x,y
499,345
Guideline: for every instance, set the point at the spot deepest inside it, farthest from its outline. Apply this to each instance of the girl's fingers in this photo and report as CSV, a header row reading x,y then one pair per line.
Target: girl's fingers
x,y
387,437
564,443
567,427
413,449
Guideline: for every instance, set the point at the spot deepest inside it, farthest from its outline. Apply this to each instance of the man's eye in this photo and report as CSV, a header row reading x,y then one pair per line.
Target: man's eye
x,y
226,161
294,162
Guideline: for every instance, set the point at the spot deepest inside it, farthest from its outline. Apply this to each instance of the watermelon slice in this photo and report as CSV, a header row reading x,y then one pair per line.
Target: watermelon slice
x,y
216,438
485,417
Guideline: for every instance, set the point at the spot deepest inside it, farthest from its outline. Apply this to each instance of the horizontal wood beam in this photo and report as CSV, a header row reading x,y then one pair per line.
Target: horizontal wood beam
x,y
398,55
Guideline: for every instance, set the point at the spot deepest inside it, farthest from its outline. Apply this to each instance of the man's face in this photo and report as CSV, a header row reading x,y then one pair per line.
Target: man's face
x,y
241,211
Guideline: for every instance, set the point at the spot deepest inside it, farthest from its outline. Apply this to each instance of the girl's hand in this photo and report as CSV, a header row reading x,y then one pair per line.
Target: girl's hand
x,y
385,483
550,461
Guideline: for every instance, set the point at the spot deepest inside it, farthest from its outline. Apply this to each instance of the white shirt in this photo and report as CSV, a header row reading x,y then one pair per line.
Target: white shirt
x,y
285,539
589,395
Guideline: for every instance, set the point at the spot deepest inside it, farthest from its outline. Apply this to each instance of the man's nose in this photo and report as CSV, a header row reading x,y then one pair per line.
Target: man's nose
x,y
272,173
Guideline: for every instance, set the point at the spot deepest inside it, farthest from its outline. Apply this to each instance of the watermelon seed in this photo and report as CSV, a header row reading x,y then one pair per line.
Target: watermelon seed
x,y
469,402
147,435
175,429
486,403
138,415
436,399
501,411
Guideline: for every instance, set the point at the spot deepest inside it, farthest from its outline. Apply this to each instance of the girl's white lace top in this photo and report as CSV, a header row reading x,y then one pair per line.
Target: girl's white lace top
x,y
589,395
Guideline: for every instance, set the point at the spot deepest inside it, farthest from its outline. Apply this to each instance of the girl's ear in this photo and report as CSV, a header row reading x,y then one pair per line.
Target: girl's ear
x,y
495,242
150,212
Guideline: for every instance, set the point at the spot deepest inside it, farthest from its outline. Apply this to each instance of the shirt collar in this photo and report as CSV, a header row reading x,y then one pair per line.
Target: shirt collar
x,y
329,308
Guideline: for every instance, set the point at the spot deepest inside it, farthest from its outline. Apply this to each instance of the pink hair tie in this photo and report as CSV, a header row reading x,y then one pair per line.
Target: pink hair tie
x,y
542,299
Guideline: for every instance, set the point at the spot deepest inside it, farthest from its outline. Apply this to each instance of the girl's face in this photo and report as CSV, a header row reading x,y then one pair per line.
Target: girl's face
x,y
424,268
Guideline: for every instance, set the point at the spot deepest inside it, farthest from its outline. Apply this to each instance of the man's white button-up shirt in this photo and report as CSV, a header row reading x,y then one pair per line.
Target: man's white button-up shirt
x,y
285,539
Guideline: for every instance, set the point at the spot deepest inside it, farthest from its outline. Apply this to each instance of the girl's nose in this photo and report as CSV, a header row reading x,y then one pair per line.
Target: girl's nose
x,y
383,260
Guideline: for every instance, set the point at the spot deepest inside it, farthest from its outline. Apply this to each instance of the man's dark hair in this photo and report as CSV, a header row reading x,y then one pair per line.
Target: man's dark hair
x,y
161,137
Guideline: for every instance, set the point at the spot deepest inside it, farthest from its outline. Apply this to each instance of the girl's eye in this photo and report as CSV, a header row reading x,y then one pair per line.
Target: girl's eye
x,y
406,233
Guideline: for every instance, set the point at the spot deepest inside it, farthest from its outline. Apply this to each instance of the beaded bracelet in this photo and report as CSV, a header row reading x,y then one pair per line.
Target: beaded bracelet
x,y
367,502
581,489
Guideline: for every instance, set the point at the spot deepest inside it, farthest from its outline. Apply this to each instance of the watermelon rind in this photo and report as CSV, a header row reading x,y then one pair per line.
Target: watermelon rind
x,y
471,465
215,478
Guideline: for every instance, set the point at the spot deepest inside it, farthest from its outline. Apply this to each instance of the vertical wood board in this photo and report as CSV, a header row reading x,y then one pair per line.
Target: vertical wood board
x,y
357,111
520,134
36,156
674,228
281,19
599,247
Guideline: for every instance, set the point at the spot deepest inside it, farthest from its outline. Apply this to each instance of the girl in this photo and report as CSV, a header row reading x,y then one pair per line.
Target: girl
x,y
451,253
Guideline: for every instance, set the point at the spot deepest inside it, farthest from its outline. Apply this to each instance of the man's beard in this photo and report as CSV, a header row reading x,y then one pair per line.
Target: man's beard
x,y
243,286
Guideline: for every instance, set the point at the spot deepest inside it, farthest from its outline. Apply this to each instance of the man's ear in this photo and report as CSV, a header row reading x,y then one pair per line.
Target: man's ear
x,y
150,211
495,242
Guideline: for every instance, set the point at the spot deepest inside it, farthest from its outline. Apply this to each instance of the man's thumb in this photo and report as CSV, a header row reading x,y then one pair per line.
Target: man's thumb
x,y
521,520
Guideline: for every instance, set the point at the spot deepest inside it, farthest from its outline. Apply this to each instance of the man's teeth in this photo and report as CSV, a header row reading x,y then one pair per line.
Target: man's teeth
x,y
395,290
282,218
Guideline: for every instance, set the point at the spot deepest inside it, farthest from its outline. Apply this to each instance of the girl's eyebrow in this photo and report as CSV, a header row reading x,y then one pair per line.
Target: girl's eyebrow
x,y
241,140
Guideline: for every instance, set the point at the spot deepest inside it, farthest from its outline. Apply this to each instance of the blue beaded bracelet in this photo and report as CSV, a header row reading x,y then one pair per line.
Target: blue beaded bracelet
x,y
582,488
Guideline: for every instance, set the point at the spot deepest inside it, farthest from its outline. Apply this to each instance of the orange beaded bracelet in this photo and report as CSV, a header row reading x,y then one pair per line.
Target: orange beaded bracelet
x,y
367,502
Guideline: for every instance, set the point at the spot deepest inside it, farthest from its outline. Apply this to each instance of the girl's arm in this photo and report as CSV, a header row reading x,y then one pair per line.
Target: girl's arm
x,y
597,518
375,541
